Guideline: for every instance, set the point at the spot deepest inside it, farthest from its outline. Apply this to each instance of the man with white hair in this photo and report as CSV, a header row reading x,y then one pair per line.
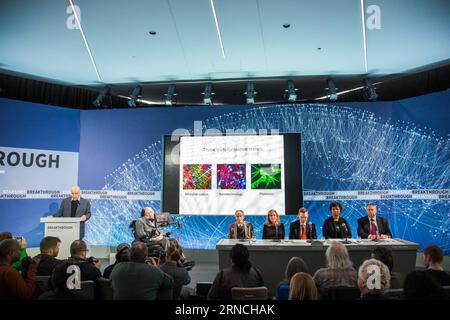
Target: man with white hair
x,y
340,271
373,279
75,206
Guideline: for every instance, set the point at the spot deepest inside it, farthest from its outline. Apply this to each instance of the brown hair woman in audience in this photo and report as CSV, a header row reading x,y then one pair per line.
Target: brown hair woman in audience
x,y
302,287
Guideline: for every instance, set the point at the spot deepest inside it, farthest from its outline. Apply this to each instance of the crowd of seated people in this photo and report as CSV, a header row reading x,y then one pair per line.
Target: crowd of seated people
x,y
140,275
134,275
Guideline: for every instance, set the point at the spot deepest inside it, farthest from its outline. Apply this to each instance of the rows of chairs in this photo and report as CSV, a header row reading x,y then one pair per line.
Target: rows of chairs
x,y
87,287
202,289
261,293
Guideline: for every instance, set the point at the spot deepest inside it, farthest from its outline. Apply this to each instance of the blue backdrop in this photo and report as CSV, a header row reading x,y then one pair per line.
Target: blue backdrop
x,y
356,146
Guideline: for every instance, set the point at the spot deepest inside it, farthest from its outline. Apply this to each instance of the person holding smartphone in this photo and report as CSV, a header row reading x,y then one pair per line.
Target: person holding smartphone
x,y
23,248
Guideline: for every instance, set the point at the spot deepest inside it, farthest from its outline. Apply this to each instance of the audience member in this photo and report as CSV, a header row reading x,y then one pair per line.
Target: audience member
x,y
90,268
178,273
339,272
433,256
302,287
49,247
59,281
295,265
138,280
12,285
241,274
420,285
373,279
122,255
384,254
23,248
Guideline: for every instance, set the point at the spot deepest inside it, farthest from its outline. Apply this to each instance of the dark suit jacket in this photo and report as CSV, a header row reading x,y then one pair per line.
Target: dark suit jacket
x,y
329,229
248,229
272,232
364,227
84,208
294,231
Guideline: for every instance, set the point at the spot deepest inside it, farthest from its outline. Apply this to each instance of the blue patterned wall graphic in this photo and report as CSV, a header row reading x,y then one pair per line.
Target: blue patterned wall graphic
x,y
344,148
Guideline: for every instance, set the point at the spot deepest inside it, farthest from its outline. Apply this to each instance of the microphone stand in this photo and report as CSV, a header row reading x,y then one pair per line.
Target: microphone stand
x,y
344,226
276,234
309,239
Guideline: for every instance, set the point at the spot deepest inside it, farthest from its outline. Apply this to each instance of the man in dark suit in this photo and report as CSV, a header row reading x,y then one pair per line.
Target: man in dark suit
x,y
372,226
302,228
75,206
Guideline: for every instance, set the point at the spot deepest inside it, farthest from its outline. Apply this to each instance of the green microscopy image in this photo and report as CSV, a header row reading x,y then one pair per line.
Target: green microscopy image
x,y
266,176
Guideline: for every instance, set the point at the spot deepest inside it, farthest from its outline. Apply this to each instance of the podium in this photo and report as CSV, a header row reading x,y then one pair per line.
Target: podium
x,y
66,229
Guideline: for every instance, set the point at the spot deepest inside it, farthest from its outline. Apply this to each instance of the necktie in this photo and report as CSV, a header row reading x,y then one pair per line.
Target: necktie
x,y
373,228
303,232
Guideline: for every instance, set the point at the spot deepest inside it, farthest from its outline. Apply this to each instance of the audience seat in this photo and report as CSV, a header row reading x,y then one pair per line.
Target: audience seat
x,y
394,294
87,289
447,290
256,293
106,291
42,283
201,291
340,293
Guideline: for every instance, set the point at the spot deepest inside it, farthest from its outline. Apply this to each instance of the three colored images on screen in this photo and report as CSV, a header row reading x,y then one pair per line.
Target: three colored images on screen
x,y
232,176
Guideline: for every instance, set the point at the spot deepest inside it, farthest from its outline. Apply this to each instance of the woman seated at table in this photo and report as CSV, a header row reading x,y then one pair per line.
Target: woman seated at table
x,y
273,228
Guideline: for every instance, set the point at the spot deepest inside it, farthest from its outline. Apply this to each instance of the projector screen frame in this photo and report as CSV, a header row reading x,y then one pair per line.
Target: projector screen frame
x,y
170,196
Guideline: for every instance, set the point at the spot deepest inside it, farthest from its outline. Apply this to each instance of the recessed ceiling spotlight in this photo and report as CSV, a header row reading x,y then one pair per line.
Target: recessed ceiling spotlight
x,y
286,25
152,32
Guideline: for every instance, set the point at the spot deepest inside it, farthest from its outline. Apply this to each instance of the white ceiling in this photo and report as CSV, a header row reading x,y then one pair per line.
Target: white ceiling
x,y
35,40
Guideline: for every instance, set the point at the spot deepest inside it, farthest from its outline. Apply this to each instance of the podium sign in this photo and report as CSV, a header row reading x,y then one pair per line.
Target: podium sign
x,y
66,229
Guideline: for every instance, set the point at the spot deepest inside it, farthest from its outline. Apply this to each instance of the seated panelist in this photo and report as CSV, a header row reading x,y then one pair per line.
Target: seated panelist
x,y
240,229
373,226
273,228
335,226
302,228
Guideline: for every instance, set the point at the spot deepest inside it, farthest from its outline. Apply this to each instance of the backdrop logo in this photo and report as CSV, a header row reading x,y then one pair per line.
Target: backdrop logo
x,y
35,169
41,160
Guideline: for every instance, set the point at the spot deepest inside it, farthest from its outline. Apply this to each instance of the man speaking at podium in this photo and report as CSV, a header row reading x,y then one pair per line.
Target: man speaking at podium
x,y
75,206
